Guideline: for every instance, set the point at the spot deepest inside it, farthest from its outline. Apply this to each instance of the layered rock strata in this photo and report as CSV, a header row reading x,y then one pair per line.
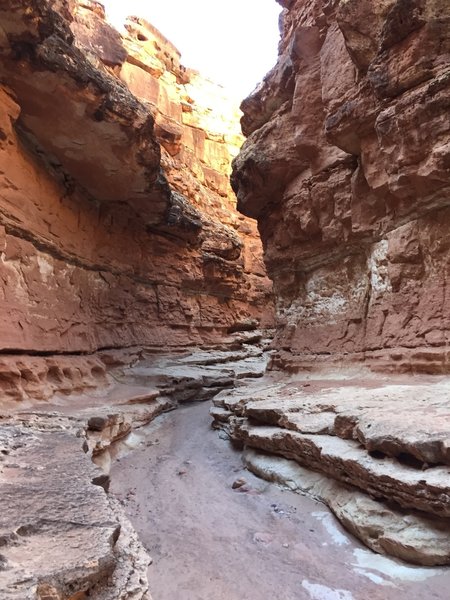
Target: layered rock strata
x,y
117,223
375,451
347,169
62,537
119,239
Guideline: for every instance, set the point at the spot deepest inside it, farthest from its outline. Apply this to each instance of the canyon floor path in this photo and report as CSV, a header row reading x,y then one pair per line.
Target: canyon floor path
x,y
209,541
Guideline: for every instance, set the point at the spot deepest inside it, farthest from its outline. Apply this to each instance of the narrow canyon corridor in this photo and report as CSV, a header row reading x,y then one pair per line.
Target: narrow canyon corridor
x,y
210,541
224,328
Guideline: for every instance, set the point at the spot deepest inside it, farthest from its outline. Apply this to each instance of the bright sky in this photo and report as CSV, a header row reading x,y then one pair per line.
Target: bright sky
x,y
233,42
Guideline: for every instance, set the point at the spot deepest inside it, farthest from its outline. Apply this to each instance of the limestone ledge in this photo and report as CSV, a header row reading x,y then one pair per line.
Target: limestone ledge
x,y
62,535
374,448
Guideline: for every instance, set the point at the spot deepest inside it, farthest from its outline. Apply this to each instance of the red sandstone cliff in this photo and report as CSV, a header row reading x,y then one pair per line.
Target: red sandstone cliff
x,y
347,169
119,239
118,229
118,226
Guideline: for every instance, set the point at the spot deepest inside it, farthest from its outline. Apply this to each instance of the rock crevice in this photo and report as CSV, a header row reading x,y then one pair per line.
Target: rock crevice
x,y
129,282
115,203
119,241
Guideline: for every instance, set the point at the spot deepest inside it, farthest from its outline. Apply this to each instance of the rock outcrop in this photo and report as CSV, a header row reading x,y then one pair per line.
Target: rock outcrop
x,y
119,240
130,283
347,169
61,536
366,447
118,226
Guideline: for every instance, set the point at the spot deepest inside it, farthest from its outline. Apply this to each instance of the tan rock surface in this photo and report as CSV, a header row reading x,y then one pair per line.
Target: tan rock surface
x,y
374,451
119,237
347,169
62,535
59,531
208,540
343,460
410,536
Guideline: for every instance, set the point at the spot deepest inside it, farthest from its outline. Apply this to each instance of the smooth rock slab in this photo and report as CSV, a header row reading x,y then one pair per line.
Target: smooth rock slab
x,y
411,537
400,416
386,439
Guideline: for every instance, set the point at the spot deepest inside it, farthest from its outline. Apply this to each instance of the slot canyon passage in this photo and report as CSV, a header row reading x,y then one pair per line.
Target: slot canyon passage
x,y
225,364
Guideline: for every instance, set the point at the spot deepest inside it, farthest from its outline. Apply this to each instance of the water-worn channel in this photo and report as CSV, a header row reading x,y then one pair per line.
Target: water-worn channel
x,y
209,541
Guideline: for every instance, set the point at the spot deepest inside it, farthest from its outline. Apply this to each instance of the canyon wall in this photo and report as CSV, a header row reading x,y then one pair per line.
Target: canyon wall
x,y
121,252
118,225
347,169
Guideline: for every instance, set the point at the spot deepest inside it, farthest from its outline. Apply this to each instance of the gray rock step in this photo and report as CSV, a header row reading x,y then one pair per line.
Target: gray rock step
x,y
348,462
413,537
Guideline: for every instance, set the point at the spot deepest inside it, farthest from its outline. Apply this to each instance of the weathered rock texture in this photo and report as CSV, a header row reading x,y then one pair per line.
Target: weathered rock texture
x,y
347,169
375,450
61,536
118,227
119,238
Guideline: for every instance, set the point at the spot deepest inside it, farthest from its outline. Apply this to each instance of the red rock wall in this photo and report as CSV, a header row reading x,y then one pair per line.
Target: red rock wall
x,y
118,226
347,169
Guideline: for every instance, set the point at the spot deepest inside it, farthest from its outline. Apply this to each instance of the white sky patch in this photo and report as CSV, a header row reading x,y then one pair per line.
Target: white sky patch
x,y
234,42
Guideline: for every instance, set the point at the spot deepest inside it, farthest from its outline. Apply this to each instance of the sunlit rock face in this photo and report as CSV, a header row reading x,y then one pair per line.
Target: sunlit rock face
x,y
347,169
118,226
119,238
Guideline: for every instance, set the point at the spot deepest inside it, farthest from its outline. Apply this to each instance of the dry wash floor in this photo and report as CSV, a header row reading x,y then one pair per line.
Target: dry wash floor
x,y
210,542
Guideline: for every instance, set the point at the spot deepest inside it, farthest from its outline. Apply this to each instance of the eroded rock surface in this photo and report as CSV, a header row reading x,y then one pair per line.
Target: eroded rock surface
x,y
118,225
374,450
211,539
347,169
119,238
62,535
